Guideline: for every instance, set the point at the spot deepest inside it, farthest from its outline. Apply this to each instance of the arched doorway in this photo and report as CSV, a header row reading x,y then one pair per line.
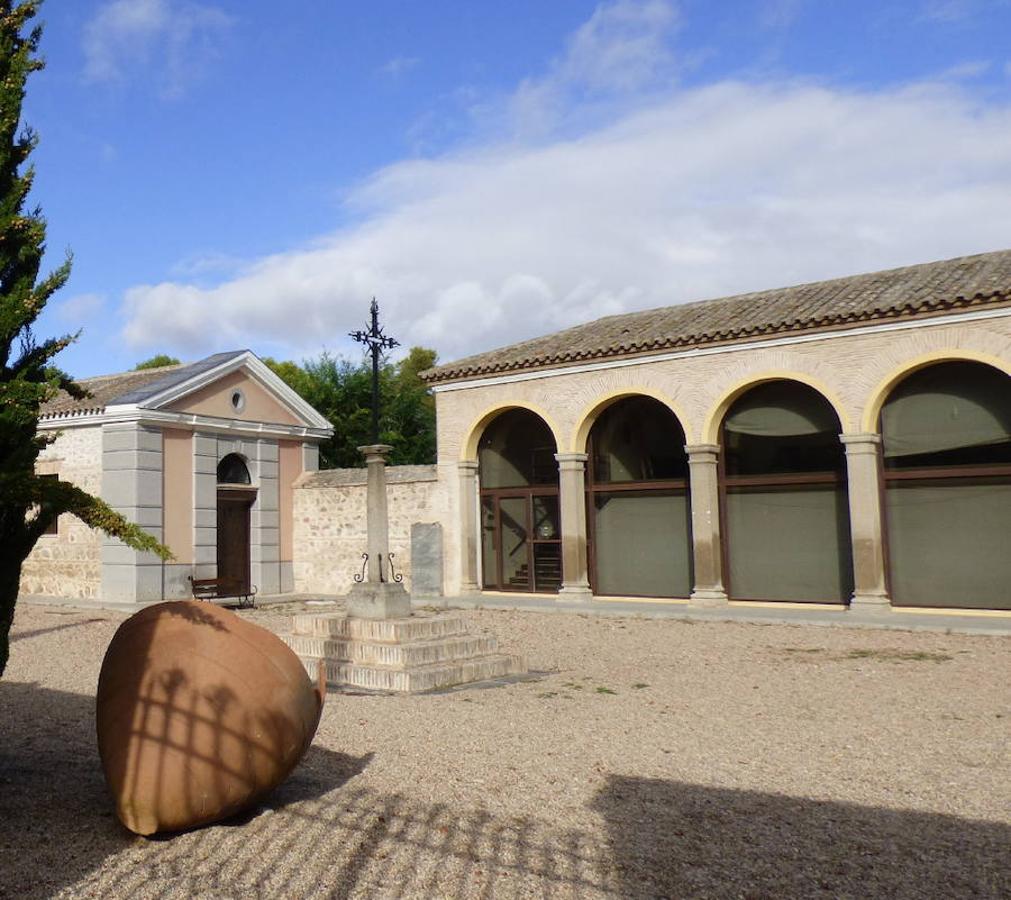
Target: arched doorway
x,y
637,502
521,537
783,493
946,436
236,496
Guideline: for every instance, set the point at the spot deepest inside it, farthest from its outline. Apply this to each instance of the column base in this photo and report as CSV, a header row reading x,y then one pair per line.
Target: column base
x,y
575,593
385,600
871,602
708,597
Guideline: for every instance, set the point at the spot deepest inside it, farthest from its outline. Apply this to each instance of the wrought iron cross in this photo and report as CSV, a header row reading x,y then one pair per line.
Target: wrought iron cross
x,y
377,342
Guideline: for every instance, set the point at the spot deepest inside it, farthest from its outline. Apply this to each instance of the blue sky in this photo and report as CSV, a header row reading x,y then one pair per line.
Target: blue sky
x,y
228,175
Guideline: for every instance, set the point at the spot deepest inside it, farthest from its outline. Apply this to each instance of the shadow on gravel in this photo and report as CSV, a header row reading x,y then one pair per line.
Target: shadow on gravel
x,y
680,840
57,823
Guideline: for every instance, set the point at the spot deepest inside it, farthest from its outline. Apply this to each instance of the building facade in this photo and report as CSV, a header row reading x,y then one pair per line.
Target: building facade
x,y
843,443
203,456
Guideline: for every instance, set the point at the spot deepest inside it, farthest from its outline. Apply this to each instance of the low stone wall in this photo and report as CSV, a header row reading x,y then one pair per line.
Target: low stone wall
x,y
69,563
330,531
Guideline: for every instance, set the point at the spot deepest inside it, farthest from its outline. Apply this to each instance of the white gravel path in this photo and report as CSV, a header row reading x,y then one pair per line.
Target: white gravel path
x,y
649,758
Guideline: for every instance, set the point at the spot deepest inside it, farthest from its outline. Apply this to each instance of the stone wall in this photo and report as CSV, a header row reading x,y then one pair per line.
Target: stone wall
x,y
330,533
69,563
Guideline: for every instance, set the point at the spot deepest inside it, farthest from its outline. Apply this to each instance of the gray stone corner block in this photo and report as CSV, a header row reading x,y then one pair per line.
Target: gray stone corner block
x,y
385,600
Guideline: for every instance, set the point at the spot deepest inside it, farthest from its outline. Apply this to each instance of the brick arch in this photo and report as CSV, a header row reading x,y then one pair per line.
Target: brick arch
x,y
476,429
590,414
711,429
880,393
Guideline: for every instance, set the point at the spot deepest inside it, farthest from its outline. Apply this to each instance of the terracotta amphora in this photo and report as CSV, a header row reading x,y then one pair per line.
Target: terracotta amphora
x,y
200,713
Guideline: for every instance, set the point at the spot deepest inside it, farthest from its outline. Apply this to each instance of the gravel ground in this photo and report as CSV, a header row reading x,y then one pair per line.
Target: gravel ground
x,y
646,758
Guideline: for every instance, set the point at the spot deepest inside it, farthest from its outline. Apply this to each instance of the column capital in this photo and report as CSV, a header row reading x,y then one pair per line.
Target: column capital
x,y
857,440
467,466
575,461
375,453
702,451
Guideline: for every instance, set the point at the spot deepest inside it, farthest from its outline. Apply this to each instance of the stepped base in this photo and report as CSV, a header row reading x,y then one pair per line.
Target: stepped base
x,y
405,655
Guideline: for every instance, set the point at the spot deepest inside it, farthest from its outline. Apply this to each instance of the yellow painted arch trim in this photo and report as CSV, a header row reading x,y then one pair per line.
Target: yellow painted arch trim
x,y
711,431
872,411
592,412
469,449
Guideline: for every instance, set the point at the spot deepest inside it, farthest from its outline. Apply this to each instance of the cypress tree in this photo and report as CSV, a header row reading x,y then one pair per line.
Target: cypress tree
x,y
28,503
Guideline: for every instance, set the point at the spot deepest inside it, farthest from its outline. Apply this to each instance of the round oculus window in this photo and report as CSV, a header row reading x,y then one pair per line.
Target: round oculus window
x,y
238,401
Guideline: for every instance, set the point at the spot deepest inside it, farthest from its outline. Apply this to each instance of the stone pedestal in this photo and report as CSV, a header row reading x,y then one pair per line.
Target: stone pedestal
x,y
403,655
386,600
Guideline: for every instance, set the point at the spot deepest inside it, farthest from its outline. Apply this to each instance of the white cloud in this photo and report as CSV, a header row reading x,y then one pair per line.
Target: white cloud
x,y
77,310
176,39
693,193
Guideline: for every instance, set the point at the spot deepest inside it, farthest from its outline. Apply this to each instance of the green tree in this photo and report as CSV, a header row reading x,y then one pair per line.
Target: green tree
x,y
342,392
156,362
28,503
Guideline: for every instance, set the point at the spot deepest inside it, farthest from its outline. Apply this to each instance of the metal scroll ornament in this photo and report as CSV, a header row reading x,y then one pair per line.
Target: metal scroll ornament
x,y
360,576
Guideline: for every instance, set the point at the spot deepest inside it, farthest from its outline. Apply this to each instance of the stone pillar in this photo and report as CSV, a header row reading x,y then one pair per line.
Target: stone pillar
x,y
310,457
469,537
264,518
205,505
132,485
377,597
572,503
866,522
707,547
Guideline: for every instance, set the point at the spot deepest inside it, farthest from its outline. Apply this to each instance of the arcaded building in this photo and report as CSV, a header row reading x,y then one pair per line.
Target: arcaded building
x,y
204,456
846,442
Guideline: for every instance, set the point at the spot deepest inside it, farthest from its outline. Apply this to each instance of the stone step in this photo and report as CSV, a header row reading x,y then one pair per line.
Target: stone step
x,y
414,653
387,631
417,678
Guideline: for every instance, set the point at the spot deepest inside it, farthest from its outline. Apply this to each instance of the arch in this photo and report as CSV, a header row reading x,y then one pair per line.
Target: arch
x,y
637,500
783,495
587,419
473,434
233,469
521,532
872,411
714,420
946,439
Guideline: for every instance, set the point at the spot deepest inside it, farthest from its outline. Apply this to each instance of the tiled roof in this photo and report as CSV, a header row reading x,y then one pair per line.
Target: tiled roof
x,y
128,387
912,291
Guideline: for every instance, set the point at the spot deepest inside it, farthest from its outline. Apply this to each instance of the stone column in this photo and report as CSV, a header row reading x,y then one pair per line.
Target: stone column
x,y
572,503
468,526
132,485
707,548
264,520
863,488
377,597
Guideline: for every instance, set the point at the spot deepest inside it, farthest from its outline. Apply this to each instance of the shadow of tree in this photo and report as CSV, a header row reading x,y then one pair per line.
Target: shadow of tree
x,y
57,822
669,839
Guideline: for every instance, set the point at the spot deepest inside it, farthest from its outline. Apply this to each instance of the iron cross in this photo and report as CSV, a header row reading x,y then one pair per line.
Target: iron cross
x,y
377,342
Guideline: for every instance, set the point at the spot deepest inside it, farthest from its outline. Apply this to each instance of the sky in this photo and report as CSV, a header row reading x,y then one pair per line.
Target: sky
x,y
241,174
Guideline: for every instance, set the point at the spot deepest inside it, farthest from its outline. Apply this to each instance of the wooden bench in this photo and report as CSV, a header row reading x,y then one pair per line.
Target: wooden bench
x,y
212,589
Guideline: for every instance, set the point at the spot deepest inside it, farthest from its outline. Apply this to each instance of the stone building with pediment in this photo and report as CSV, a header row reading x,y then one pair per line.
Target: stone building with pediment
x,y
204,456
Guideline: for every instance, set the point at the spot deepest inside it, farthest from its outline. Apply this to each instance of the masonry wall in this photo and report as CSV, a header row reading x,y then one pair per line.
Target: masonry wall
x,y
69,563
329,523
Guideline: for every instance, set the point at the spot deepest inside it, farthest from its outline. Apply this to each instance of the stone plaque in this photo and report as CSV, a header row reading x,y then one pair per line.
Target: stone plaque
x,y
426,559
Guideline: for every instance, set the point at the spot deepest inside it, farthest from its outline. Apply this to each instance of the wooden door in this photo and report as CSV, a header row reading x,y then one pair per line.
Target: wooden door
x,y
233,538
